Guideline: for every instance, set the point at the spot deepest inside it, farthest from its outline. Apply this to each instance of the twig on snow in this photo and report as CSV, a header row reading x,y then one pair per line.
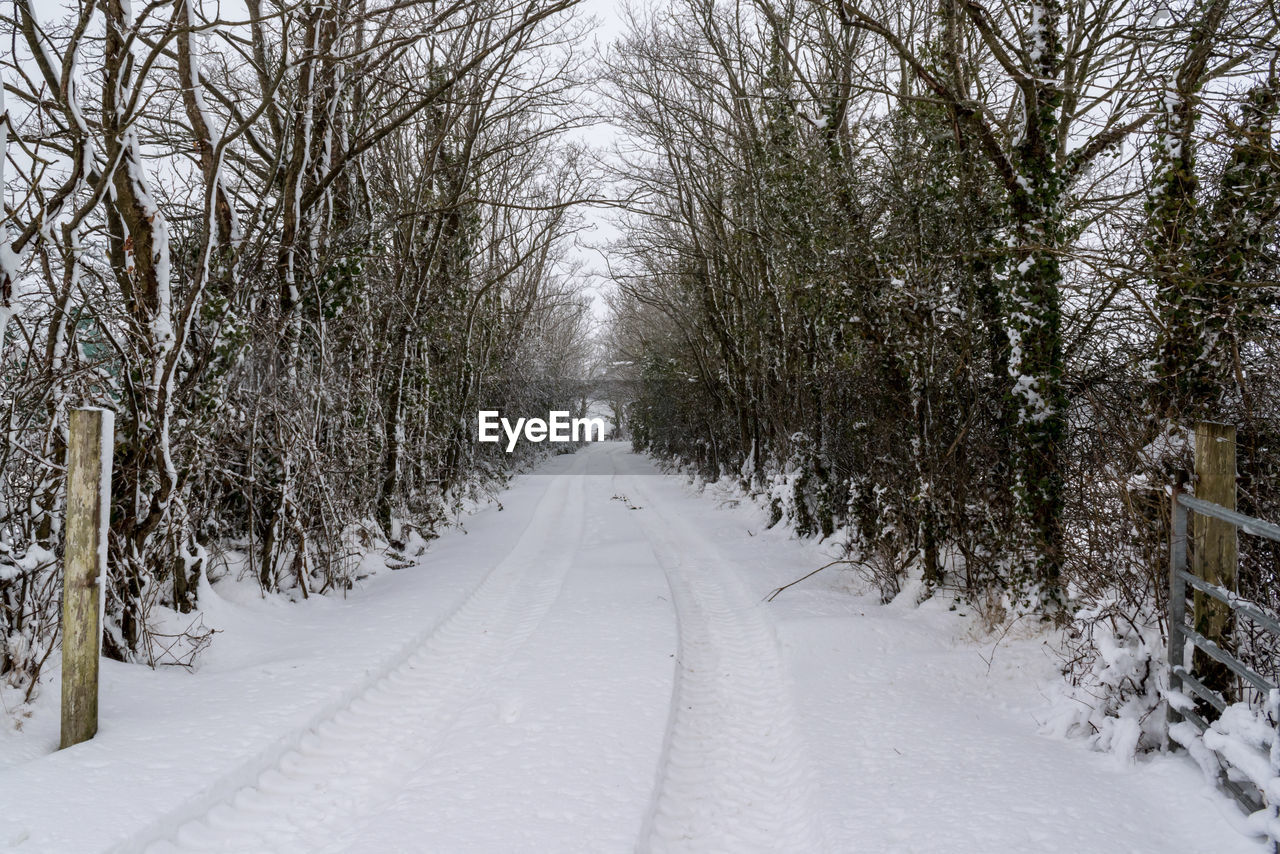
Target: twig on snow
x,y
775,593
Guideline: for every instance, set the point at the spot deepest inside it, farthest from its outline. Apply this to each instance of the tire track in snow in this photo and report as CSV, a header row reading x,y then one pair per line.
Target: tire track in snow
x,y
352,759
733,776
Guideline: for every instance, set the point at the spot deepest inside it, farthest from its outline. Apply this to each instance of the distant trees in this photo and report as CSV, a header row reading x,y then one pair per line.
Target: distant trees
x,y
295,253
918,269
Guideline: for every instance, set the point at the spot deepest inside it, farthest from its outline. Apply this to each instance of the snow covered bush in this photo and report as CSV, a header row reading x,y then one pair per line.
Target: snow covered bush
x,y
880,538
1116,680
30,598
801,494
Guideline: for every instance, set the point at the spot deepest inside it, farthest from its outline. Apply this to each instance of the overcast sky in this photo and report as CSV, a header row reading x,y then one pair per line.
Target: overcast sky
x,y
609,16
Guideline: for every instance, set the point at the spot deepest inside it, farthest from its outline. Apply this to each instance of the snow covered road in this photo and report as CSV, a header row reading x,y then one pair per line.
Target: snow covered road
x,y
592,669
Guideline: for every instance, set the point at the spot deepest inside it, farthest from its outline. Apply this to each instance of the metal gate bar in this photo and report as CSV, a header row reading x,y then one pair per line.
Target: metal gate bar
x,y
1180,676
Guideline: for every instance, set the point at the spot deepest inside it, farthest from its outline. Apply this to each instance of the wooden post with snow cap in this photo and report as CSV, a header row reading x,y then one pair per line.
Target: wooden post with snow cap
x,y
85,562
1214,552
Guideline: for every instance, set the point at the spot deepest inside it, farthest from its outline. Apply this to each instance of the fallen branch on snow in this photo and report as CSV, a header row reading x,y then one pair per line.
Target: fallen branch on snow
x,y
775,593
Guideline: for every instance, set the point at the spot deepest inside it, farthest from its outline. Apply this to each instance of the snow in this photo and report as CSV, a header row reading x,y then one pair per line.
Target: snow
x,y
573,672
33,558
1039,34
10,263
1245,737
162,320
1117,699
734,774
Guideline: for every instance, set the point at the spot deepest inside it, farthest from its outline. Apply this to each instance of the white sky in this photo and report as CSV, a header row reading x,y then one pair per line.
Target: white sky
x,y
590,251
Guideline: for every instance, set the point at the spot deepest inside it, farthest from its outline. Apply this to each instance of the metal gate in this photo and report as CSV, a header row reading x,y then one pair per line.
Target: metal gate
x,y
1180,675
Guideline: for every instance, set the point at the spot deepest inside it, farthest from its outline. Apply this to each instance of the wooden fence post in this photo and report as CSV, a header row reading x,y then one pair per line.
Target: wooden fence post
x,y
1214,551
89,449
